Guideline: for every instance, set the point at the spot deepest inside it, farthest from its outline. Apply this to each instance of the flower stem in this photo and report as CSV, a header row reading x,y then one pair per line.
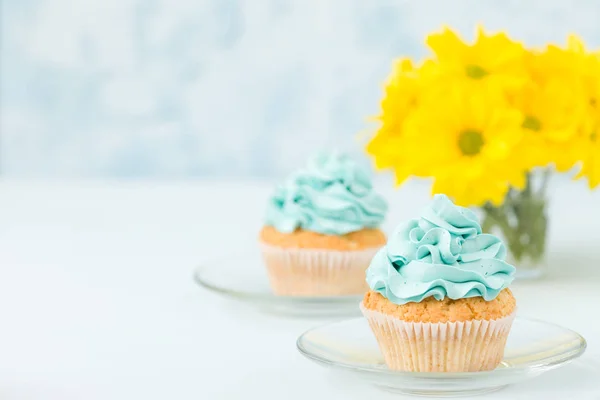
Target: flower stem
x,y
521,220
545,180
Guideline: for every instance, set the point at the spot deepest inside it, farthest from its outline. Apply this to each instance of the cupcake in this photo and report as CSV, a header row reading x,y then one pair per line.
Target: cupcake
x,y
322,229
439,298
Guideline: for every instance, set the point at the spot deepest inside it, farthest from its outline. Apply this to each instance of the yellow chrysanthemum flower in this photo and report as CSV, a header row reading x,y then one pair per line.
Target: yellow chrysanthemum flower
x,y
494,57
555,105
466,144
591,129
591,164
402,94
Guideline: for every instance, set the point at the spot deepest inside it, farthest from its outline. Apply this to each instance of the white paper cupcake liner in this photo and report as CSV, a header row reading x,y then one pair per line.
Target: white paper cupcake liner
x,y
312,272
469,346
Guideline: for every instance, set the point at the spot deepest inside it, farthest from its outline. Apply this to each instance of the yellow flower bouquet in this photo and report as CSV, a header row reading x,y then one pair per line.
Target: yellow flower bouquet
x,y
483,119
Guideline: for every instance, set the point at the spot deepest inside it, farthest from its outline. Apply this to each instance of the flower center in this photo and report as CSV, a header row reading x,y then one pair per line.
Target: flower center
x,y
532,123
470,142
475,71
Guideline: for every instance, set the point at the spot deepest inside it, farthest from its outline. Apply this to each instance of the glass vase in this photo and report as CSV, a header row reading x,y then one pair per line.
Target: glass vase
x,y
522,223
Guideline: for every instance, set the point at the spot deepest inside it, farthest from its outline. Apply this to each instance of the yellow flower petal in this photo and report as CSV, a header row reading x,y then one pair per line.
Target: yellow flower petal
x,y
446,45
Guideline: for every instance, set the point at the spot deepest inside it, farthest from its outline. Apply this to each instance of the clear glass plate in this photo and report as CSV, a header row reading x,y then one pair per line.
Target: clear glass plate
x,y
533,348
244,278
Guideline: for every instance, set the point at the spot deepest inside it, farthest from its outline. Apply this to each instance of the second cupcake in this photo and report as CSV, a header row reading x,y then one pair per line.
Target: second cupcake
x,y
322,229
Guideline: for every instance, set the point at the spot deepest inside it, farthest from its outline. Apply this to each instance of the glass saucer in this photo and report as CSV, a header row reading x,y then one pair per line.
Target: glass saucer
x,y
533,347
243,277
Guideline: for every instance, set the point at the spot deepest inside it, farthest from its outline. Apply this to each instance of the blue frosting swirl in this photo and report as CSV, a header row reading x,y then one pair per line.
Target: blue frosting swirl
x,y
333,195
442,254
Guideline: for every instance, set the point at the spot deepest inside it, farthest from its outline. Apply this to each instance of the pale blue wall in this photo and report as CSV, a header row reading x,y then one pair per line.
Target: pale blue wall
x,y
174,88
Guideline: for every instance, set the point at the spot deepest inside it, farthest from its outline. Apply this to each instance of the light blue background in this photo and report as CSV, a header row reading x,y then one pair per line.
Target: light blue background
x,y
184,88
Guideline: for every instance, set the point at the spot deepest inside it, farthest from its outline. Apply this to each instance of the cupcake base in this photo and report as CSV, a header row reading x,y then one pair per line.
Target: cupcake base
x,y
317,272
467,346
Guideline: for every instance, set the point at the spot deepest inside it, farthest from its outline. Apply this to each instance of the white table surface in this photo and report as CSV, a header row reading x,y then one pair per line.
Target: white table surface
x,y
97,301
